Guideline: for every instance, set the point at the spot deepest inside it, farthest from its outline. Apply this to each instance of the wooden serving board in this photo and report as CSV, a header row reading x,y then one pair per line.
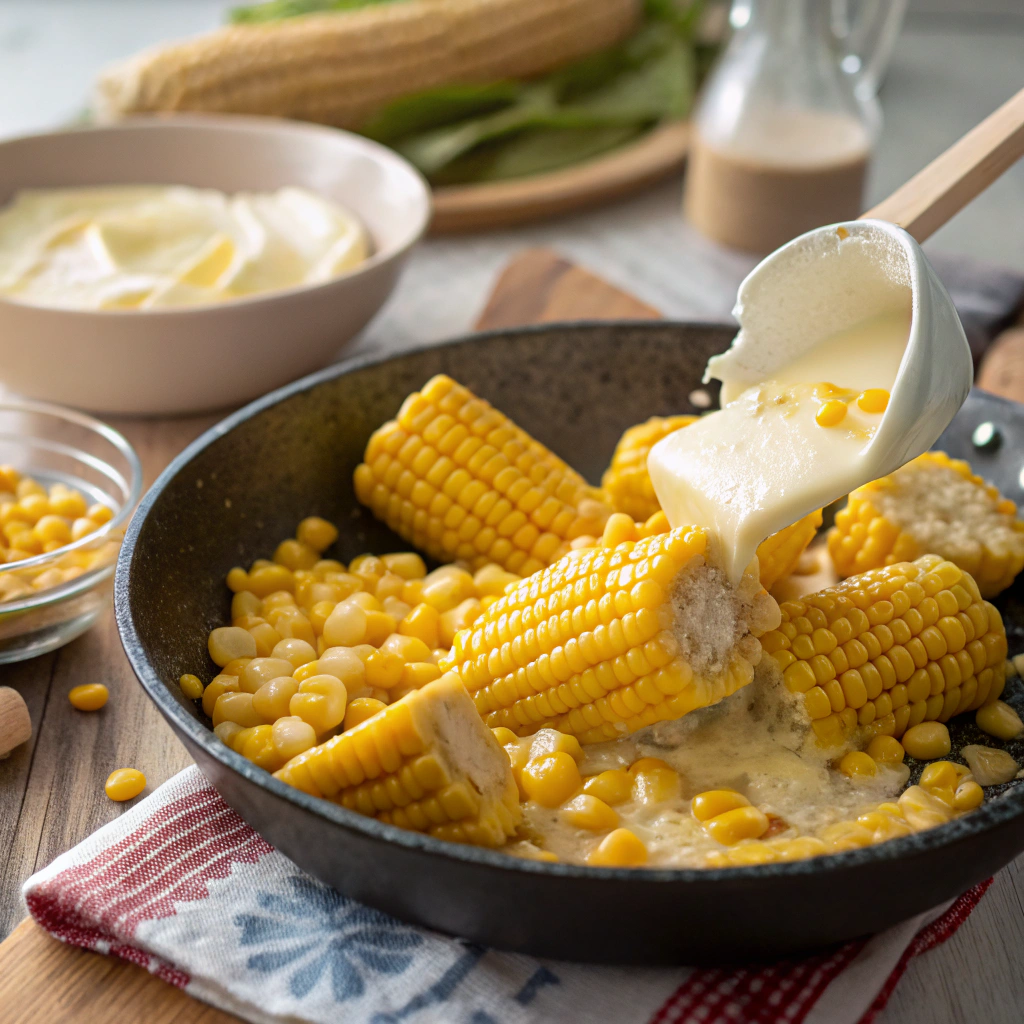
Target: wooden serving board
x,y
654,156
43,981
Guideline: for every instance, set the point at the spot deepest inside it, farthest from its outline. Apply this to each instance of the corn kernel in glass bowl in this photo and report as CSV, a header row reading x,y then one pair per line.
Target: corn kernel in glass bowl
x,y
68,484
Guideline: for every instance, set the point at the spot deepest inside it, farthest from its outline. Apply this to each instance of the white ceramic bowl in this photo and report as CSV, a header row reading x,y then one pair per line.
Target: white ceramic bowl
x,y
208,357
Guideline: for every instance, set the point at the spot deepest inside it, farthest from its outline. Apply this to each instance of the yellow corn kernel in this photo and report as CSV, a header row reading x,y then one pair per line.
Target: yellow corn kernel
x,y
384,669
256,744
873,400
990,767
417,674
100,513
346,626
51,528
88,696
292,649
379,626
589,812
124,784
886,750
551,779
614,786
273,699
940,775
360,709
318,533
713,802
620,529
262,670
406,564
268,578
846,835
857,764
345,663
191,686
922,810
492,581
968,795
35,506
550,741
619,849
656,785
290,737
235,667
800,848
321,702
218,685
426,762
730,827
503,735
423,623
447,587
68,503
293,554
927,741
229,642
408,648
237,708
1000,720
396,608
460,617
831,413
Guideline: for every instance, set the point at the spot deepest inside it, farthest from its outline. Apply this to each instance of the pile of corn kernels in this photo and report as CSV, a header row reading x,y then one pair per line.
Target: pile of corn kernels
x,y
316,646
36,521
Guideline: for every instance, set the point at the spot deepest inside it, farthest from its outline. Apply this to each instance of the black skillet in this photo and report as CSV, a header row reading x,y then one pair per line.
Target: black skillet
x,y
233,494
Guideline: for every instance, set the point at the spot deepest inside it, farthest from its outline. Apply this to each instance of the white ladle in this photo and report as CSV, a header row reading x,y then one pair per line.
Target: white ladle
x,y
936,371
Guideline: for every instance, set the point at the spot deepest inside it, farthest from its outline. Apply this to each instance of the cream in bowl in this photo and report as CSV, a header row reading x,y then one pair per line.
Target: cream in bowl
x,y
162,246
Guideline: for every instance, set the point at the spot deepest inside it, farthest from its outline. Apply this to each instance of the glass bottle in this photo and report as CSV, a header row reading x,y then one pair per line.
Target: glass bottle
x,y
787,121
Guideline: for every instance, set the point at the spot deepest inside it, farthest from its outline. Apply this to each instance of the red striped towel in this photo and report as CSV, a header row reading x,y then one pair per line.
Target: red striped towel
x,y
180,885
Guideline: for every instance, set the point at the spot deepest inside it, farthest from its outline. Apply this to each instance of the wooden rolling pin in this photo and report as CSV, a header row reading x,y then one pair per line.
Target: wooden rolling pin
x,y
15,724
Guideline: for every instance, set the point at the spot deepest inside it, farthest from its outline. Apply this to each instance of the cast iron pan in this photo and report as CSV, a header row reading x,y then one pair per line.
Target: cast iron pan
x,y
245,484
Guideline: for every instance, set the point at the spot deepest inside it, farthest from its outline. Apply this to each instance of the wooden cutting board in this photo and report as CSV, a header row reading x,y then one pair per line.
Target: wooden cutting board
x,y
43,981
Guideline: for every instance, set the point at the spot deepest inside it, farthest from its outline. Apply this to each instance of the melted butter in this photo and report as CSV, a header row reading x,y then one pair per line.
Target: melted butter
x,y
762,462
148,247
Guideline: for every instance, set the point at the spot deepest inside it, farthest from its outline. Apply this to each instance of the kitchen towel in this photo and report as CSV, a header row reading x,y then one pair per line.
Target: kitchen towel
x,y
181,886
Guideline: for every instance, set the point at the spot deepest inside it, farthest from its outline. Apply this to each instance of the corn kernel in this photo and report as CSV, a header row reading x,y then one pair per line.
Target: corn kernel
x,y
968,795
927,741
88,696
873,400
320,702
447,587
191,686
886,750
360,709
290,736
549,741
1000,720
406,564
293,554
492,580
229,642
318,533
262,670
730,827
218,685
408,648
273,699
940,775
346,626
383,669
423,623
589,812
831,413
990,767
857,764
346,664
614,786
922,809
656,785
124,784
417,674
100,513
714,802
237,708
619,849
551,779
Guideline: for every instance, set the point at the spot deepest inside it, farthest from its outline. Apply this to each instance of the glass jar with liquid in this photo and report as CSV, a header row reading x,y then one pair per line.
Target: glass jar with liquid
x,y
788,119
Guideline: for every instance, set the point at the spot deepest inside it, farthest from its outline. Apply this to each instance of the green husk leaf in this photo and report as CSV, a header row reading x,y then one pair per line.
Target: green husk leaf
x,y
277,10
438,107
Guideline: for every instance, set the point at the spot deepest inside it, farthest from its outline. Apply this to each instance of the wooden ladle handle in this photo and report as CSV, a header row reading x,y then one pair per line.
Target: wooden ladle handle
x,y
15,724
954,178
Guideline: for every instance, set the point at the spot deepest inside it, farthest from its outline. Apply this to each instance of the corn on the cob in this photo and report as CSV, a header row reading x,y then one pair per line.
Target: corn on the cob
x,y
890,648
426,762
936,505
628,486
609,640
460,481
626,480
339,68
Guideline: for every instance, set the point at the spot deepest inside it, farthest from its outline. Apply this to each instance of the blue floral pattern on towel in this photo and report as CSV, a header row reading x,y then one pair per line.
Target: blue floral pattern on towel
x,y
316,931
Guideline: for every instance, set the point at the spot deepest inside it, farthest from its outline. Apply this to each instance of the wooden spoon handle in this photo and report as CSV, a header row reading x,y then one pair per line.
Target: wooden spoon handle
x,y
955,177
15,724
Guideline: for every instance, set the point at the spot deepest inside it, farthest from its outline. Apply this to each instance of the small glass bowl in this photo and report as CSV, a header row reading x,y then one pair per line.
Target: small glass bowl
x,y
55,445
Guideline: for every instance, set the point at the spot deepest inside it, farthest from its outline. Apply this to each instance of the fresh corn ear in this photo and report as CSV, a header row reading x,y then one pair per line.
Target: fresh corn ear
x,y
426,762
933,504
461,482
890,648
626,480
609,640
340,68
628,487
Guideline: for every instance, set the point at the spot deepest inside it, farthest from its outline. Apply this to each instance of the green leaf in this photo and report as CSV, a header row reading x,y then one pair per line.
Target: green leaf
x,y
438,107
276,10
534,151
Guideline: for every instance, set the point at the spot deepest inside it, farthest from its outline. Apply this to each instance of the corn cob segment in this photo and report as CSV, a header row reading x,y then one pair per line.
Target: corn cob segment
x,y
610,640
339,68
626,480
426,763
628,487
890,648
461,482
933,504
